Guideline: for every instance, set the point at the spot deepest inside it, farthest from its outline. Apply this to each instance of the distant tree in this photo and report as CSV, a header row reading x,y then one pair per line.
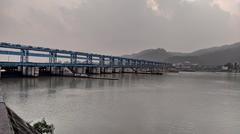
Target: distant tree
x,y
236,65
44,128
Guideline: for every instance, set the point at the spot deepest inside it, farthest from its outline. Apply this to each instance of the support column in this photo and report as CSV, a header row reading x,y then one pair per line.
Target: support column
x,y
0,71
108,70
81,70
24,71
36,72
96,70
30,71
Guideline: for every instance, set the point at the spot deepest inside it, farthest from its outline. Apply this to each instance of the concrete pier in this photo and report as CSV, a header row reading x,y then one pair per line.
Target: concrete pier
x,y
128,70
30,71
62,71
117,70
56,70
81,70
96,70
107,70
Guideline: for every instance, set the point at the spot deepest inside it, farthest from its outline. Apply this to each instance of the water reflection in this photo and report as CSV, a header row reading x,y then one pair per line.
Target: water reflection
x,y
56,84
185,103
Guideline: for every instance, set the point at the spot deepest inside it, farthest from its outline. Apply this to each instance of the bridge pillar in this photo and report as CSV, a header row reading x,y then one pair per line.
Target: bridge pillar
x,y
93,70
108,70
30,71
137,70
56,70
24,71
127,70
96,70
81,70
89,70
117,70
53,70
105,70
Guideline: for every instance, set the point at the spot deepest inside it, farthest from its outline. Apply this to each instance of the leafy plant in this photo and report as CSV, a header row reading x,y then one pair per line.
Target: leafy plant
x,y
44,128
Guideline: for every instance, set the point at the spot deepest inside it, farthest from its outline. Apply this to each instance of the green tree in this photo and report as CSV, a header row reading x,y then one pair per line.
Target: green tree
x,y
44,128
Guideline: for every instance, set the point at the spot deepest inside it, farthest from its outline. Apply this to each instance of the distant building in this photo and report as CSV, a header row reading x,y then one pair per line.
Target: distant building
x,y
186,66
225,68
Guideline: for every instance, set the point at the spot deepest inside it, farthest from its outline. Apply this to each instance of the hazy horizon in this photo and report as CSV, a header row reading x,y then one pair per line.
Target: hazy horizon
x,y
121,27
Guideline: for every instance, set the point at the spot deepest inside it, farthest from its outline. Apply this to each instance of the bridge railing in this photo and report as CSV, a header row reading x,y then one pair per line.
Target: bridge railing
x,y
87,59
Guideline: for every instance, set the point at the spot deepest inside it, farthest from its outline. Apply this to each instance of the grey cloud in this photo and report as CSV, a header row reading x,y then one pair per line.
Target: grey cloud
x,y
116,27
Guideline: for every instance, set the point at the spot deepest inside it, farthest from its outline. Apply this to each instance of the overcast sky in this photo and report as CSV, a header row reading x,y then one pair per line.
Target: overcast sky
x,y
119,27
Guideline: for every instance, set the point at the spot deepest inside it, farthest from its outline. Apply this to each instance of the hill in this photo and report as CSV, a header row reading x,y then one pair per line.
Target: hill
x,y
151,54
209,56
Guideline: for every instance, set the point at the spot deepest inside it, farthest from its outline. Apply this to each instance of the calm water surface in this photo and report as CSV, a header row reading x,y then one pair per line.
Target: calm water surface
x,y
184,103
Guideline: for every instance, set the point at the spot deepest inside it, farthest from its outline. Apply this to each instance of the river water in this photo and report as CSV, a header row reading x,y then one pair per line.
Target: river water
x,y
184,103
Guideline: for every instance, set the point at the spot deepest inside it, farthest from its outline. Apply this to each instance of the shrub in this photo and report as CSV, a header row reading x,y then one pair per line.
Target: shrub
x,y
43,127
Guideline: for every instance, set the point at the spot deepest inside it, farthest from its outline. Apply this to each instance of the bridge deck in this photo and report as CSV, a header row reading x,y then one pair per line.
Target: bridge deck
x,y
77,59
